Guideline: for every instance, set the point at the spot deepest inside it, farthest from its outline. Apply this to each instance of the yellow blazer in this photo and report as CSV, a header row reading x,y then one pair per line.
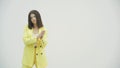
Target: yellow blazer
x,y
29,41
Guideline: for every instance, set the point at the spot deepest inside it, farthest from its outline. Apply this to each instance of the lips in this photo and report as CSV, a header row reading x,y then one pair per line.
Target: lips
x,y
33,20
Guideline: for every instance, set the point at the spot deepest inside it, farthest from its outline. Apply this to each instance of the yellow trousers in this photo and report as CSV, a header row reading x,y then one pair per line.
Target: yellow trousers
x,y
24,66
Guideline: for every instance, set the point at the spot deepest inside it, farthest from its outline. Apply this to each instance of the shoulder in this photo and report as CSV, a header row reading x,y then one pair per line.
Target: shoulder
x,y
26,27
43,28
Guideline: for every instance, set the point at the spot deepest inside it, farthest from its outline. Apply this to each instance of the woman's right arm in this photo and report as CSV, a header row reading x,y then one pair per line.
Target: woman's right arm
x,y
28,39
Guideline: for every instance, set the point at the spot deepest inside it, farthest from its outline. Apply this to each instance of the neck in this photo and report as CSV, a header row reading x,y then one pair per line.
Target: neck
x,y
35,26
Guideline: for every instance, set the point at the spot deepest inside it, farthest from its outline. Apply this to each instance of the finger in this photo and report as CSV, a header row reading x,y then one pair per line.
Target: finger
x,y
43,31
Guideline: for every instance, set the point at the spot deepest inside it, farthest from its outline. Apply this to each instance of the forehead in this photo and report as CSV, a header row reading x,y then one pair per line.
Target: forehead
x,y
31,15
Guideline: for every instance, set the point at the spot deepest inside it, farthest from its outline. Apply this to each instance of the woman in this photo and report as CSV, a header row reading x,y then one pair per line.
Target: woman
x,y
35,40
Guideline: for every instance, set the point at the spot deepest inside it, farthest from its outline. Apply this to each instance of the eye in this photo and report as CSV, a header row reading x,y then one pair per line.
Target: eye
x,y
30,17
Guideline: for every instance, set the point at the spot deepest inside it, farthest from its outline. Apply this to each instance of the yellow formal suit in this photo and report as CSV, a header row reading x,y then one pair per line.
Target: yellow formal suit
x,y
29,41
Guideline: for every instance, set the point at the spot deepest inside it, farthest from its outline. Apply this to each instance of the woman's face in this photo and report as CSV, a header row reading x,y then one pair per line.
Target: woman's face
x,y
33,18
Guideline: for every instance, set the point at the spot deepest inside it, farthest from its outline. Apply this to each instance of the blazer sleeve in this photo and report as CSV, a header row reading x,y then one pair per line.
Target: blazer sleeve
x,y
28,39
44,40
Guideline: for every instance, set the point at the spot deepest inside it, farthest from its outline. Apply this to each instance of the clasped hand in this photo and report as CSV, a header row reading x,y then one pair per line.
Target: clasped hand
x,y
40,36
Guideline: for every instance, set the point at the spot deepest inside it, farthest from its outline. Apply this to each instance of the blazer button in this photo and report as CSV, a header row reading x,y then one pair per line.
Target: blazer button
x,y
41,53
40,46
35,46
36,53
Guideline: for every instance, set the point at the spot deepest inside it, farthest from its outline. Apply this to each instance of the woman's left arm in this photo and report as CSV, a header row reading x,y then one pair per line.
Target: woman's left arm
x,y
44,39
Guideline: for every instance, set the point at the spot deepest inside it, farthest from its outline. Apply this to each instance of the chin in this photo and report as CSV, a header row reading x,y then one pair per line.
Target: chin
x,y
34,23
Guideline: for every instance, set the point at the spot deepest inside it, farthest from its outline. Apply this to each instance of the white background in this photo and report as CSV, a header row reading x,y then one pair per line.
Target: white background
x,y
81,33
